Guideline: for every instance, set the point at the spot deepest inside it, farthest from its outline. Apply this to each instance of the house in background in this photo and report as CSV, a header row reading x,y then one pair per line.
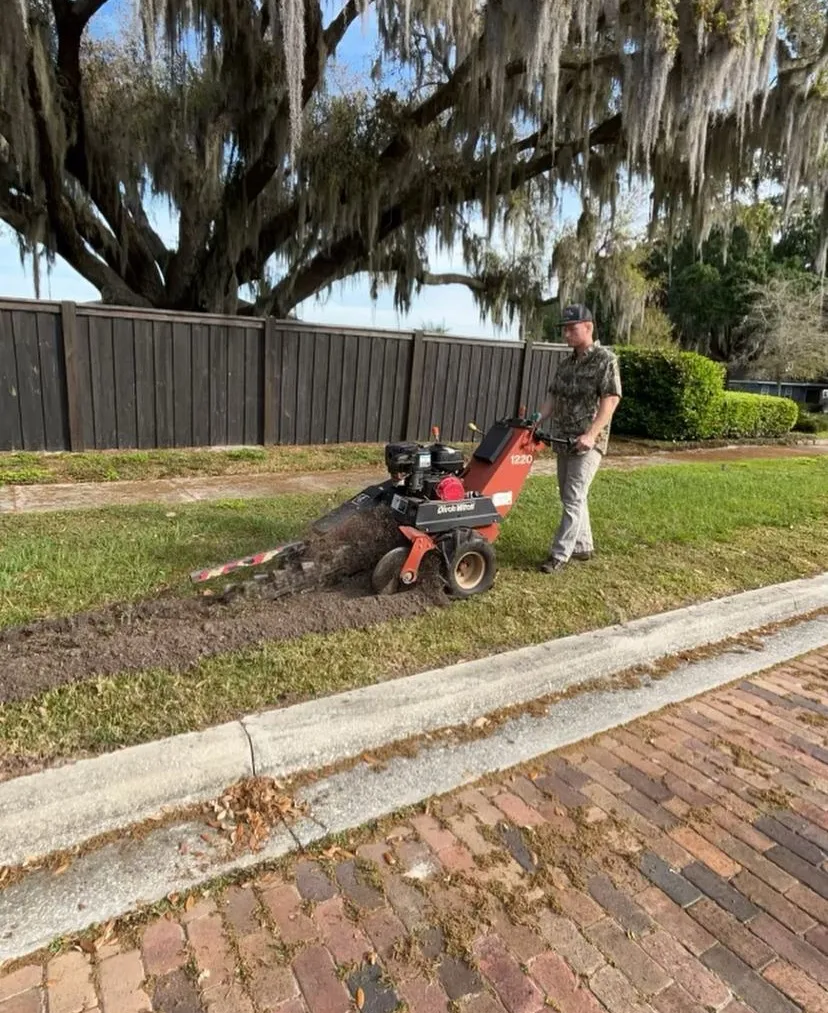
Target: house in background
x,y
812,396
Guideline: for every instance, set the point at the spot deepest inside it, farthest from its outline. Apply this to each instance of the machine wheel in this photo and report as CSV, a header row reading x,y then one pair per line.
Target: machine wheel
x,y
386,576
470,568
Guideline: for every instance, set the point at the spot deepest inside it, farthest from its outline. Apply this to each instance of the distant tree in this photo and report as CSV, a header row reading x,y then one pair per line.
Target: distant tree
x,y
601,260
430,327
654,331
706,289
786,321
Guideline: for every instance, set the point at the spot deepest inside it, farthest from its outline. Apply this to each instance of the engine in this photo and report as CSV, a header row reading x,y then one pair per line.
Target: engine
x,y
427,472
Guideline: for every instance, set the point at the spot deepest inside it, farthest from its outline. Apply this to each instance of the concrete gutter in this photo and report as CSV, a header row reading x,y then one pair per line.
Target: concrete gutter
x,y
125,875
64,807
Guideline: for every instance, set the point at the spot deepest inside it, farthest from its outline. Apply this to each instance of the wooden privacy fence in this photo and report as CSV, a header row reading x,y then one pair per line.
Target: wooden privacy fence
x,y
93,377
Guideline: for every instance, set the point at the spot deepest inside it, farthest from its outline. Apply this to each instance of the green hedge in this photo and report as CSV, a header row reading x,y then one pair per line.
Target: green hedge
x,y
669,395
746,415
672,395
811,422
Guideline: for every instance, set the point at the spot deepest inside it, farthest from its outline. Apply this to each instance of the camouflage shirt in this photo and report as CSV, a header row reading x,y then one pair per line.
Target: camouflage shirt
x,y
577,388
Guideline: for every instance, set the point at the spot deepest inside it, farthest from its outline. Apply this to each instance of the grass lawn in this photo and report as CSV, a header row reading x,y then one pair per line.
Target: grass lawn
x,y
136,465
667,537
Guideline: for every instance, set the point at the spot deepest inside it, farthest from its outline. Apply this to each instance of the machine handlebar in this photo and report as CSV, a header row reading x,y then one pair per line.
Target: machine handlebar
x,y
521,422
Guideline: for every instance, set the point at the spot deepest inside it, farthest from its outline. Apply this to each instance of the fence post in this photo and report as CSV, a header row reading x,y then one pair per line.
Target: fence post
x,y
415,385
525,377
271,383
69,332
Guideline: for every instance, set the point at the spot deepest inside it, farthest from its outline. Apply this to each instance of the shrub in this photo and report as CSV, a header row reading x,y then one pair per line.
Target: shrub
x,y
806,422
669,395
755,415
811,422
654,331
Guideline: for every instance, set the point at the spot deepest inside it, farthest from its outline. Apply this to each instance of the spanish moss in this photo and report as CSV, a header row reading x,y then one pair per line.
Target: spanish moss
x,y
283,181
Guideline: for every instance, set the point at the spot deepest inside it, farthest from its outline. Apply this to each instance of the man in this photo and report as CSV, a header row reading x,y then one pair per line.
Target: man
x,y
584,394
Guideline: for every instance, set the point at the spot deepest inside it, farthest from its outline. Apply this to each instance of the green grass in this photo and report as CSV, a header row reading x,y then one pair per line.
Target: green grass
x,y
61,563
24,468
667,537
136,465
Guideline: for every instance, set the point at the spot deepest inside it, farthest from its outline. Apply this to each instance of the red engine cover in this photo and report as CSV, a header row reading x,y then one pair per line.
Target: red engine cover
x,y
450,488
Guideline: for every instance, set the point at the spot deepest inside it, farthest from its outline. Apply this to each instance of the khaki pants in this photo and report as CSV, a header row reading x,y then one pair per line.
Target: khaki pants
x,y
575,475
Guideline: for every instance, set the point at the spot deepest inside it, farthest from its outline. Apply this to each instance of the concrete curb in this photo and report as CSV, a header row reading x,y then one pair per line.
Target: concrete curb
x,y
122,876
63,807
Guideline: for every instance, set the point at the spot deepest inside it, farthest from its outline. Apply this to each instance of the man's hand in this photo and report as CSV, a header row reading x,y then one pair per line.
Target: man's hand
x,y
584,443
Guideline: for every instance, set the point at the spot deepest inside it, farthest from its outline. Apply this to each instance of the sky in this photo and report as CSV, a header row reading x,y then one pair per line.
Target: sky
x,y
348,304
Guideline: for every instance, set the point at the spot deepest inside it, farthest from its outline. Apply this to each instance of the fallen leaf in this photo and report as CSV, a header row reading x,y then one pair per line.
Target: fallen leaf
x,y
189,903
389,858
360,998
59,871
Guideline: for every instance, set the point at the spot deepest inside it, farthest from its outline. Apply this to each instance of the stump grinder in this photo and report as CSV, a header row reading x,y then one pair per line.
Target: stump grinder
x,y
434,500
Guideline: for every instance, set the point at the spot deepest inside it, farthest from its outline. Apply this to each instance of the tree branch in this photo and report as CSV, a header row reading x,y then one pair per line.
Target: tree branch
x,y
19,212
337,259
79,11
85,10
137,240
284,224
471,282
335,32
246,187
450,278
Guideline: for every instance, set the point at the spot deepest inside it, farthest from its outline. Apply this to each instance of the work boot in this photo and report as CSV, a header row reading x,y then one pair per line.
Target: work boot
x,y
552,564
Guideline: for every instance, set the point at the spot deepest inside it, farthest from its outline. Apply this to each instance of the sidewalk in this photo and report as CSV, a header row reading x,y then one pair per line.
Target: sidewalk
x,y
679,865
87,495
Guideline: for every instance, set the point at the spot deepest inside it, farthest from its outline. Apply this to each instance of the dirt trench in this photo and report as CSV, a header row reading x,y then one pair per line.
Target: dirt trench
x,y
177,633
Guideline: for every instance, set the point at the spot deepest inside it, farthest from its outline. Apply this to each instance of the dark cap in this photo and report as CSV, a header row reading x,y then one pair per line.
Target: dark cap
x,y
577,314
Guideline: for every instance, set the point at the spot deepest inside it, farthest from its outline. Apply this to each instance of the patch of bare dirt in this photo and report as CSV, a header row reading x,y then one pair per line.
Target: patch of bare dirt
x,y
176,633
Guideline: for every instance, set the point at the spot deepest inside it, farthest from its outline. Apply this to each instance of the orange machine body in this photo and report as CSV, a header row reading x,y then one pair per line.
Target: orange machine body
x,y
502,480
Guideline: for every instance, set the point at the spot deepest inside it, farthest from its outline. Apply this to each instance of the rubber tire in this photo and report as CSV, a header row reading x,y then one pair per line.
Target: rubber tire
x,y
385,579
482,548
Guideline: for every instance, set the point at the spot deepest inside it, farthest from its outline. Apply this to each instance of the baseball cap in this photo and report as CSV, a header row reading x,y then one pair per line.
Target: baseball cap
x,y
576,314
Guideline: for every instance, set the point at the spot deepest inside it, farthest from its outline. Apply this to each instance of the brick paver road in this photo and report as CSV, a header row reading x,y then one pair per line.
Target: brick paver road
x,y
677,865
